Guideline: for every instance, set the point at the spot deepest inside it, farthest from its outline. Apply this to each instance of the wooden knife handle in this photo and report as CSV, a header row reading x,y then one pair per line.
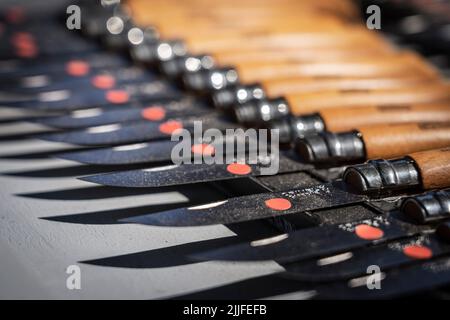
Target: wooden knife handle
x,y
279,87
296,55
434,167
298,40
307,103
390,141
344,119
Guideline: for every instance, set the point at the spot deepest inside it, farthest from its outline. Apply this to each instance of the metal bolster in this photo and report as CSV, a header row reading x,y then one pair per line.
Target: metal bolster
x,y
328,147
379,176
178,66
258,112
291,128
151,51
210,80
227,98
429,207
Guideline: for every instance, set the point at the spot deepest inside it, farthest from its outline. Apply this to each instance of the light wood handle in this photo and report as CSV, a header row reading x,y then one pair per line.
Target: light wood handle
x,y
390,141
434,168
278,87
308,103
291,55
344,119
299,40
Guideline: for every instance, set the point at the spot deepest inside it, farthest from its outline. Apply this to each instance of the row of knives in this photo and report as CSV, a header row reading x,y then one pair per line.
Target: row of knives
x,y
364,125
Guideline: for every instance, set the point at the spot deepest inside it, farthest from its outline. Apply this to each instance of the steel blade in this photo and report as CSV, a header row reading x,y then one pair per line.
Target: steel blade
x,y
314,242
393,283
138,131
156,112
67,100
354,263
156,151
172,175
254,207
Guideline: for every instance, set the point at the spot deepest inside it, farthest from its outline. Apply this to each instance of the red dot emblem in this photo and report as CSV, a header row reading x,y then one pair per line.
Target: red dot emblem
x,y
153,113
22,39
117,96
279,204
29,52
240,169
417,252
77,68
203,149
170,127
367,232
103,81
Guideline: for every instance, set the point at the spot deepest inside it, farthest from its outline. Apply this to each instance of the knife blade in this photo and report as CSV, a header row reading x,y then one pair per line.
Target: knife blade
x,y
57,65
106,78
378,178
137,131
146,152
253,207
67,100
354,263
154,111
314,242
192,173
394,283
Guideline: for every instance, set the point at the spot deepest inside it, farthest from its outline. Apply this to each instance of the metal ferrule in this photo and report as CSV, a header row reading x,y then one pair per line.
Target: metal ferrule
x,y
298,127
259,112
118,41
174,68
328,147
429,207
382,176
210,80
228,98
151,51
96,16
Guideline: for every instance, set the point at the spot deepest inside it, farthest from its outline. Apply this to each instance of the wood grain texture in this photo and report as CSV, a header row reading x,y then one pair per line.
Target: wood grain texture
x,y
390,141
295,55
434,168
343,119
315,102
277,87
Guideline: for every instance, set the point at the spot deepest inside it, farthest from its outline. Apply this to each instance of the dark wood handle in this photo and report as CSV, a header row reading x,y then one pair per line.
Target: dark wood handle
x,y
434,168
390,141
344,119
